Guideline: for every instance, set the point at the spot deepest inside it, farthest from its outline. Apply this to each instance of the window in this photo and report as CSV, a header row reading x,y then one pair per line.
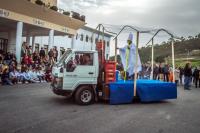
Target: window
x,y
84,58
3,44
108,44
79,59
86,38
81,37
104,42
91,39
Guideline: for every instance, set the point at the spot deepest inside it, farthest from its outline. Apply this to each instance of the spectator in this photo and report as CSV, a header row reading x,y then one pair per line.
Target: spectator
x,y
25,60
13,75
177,73
55,53
196,77
188,76
23,50
155,72
29,50
181,75
42,53
5,77
166,73
48,73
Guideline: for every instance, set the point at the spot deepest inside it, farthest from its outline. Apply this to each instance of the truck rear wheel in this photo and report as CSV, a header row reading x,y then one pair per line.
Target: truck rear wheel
x,y
84,95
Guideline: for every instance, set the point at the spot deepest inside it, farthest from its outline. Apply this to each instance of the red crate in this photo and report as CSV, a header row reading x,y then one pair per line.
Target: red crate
x,y
110,68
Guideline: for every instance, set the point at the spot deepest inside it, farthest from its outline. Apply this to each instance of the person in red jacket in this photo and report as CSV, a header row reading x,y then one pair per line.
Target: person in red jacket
x,y
25,59
30,61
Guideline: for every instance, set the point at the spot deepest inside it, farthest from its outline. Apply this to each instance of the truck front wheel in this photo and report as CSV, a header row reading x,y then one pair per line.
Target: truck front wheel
x,y
84,95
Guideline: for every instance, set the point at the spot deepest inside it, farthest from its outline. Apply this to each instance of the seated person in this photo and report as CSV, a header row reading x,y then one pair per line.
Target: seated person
x,y
33,76
14,76
5,77
48,77
40,74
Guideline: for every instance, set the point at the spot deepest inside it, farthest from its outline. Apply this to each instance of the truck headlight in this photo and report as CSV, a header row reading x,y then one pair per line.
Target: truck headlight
x,y
58,82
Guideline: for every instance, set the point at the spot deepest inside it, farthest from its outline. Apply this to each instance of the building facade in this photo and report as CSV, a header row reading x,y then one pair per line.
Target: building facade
x,y
85,39
24,19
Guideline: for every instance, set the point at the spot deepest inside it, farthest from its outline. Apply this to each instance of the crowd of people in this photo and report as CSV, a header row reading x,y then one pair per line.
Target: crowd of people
x,y
34,66
186,75
182,75
37,66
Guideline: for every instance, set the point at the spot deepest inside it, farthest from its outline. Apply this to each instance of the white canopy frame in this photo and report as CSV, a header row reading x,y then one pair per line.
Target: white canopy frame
x,y
137,45
172,48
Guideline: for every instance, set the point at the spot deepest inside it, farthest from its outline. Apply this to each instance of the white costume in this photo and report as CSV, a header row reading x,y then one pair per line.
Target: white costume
x,y
130,65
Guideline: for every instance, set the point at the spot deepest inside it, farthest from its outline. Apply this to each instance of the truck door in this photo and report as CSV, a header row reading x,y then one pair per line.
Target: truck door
x,y
79,69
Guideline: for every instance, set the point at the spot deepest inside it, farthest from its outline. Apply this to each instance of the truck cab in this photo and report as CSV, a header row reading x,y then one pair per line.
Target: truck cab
x,y
75,75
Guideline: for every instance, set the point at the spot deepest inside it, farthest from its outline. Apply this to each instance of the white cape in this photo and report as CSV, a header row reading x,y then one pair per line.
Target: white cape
x,y
131,61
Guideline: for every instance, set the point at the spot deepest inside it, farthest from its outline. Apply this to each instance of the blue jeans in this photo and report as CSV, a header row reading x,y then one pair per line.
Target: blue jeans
x,y
187,82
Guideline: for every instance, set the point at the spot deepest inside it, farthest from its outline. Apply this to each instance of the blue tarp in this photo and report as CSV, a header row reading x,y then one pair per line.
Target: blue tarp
x,y
148,91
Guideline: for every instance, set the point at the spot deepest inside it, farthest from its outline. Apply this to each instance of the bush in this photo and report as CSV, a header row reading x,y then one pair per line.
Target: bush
x,y
55,8
75,15
66,13
83,18
39,2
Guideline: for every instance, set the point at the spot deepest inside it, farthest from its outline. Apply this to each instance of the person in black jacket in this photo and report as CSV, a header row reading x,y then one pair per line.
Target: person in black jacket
x,y
42,53
196,77
5,77
187,76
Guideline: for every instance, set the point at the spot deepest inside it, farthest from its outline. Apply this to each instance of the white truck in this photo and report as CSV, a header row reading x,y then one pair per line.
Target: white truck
x,y
76,75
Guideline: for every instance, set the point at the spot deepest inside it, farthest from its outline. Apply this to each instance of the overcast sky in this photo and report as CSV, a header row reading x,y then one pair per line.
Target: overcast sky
x,y
182,17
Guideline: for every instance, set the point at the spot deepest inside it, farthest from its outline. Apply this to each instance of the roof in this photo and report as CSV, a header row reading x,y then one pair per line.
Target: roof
x,y
96,31
25,11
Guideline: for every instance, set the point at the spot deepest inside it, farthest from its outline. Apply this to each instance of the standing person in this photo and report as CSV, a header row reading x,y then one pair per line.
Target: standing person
x,y
42,53
55,53
196,76
177,73
23,50
160,69
156,72
187,76
166,73
29,50
181,75
50,54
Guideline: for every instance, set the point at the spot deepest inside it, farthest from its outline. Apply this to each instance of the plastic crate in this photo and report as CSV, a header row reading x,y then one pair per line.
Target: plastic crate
x,y
110,68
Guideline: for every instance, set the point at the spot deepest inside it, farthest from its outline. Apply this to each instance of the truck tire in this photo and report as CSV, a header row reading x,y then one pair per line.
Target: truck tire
x,y
84,95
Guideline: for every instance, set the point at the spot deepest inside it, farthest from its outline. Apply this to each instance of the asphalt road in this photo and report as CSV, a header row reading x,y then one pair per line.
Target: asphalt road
x,y
33,108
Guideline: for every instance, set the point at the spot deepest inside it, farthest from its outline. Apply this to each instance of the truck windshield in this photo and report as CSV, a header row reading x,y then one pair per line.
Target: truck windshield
x,y
63,57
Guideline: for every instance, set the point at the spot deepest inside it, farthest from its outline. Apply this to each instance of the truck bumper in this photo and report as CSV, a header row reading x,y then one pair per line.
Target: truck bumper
x,y
61,92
